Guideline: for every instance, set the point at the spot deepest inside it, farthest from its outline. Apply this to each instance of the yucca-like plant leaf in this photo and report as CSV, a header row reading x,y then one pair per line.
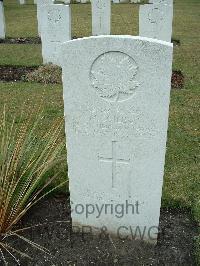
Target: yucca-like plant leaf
x,y
27,162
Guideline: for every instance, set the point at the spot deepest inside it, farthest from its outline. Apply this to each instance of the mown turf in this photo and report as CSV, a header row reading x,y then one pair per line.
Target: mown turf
x,y
20,55
21,20
182,180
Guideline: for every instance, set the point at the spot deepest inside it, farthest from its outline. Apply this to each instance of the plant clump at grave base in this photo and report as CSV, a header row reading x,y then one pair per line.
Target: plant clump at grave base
x,y
45,74
28,159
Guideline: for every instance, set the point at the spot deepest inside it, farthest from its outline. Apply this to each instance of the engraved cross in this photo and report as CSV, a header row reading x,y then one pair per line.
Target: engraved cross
x,y
114,160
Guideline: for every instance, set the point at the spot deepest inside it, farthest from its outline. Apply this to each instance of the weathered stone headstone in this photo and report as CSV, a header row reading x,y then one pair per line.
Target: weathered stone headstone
x,y
116,116
2,21
155,21
101,17
56,29
40,4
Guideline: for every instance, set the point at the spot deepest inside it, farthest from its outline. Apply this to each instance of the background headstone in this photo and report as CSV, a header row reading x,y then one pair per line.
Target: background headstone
x,y
40,4
101,17
56,29
166,2
135,1
2,21
116,101
120,1
22,2
155,21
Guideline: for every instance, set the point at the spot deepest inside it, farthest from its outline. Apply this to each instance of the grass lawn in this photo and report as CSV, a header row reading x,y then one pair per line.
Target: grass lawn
x,y
21,21
182,180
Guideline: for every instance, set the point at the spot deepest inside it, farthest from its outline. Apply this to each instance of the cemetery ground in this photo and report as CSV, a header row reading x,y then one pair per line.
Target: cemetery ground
x,y
180,214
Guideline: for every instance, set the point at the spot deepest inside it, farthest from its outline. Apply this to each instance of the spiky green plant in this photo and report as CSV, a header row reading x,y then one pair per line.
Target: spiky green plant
x,y
27,161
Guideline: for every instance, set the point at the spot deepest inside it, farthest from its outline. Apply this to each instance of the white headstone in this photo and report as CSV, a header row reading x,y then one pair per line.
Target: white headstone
x,y
155,21
22,2
135,1
40,4
2,21
120,1
56,29
35,2
101,17
116,101
166,2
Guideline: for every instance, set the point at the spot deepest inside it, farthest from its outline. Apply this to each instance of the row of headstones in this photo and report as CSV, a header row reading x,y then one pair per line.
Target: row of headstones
x,y
155,20
54,24
22,2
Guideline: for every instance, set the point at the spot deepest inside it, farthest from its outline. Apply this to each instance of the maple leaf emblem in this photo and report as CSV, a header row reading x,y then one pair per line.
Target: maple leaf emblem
x,y
113,76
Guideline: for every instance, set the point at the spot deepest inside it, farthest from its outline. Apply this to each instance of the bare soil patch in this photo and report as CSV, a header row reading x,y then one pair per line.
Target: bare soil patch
x,y
30,40
178,79
51,74
14,73
176,42
52,230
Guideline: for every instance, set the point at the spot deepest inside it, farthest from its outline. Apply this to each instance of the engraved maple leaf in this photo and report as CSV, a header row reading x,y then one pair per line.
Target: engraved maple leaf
x,y
114,78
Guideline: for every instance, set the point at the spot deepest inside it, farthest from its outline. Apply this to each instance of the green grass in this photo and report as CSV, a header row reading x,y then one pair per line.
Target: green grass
x,y
21,21
32,96
20,55
181,181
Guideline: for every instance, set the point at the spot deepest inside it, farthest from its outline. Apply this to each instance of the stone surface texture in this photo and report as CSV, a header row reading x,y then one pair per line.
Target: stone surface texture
x,y
116,101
